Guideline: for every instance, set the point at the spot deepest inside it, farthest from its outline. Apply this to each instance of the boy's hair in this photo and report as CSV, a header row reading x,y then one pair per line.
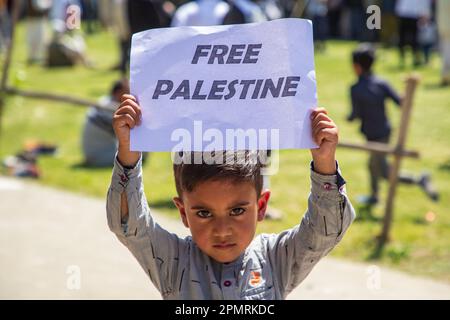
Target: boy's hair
x,y
233,166
364,56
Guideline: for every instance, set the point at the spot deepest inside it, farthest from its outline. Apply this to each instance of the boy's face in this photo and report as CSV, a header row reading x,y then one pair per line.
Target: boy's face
x,y
222,216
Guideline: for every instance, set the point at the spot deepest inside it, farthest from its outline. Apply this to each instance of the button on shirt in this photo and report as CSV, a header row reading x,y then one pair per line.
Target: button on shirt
x,y
271,266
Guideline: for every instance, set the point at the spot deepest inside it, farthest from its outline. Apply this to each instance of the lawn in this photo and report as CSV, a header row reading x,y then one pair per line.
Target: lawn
x,y
417,245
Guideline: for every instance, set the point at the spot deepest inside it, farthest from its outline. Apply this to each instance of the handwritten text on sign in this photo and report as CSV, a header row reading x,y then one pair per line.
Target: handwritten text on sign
x,y
203,88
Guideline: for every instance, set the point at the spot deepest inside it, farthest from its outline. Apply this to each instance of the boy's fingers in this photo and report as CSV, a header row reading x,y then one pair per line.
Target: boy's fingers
x,y
136,108
327,134
131,110
321,117
127,96
134,105
128,119
317,111
321,125
324,128
125,120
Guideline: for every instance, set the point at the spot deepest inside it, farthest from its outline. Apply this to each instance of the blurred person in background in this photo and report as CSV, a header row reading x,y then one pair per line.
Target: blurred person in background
x,y
98,142
410,12
5,24
244,11
368,99
427,37
443,20
200,13
334,17
126,17
389,29
37,13
120,24
90,15
356,12
67,47
272,9
317,11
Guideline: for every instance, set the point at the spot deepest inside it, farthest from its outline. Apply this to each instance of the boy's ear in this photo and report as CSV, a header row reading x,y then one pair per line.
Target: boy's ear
x,y
263,202
179,204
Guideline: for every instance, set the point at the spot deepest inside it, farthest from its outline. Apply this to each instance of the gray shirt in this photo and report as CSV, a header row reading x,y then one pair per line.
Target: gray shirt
x,y
270,268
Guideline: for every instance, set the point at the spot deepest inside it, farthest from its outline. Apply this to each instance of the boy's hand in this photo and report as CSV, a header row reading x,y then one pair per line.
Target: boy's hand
x,y
325,134
126,117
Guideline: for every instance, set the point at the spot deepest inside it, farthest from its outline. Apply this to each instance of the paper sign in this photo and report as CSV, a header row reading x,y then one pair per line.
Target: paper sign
x,y
248,86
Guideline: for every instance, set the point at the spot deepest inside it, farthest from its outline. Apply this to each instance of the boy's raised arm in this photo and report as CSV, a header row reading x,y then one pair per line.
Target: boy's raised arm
x,y
127,116
296,251
128,212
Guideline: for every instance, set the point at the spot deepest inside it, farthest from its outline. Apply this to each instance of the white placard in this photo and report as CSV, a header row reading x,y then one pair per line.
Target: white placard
x,y
248,86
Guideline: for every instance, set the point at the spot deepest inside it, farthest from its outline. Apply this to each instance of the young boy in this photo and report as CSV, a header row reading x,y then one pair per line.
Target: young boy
x,y
368,96
221,204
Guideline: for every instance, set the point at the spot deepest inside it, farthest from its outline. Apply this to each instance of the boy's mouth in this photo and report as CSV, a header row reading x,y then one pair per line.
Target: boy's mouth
x,y
224,246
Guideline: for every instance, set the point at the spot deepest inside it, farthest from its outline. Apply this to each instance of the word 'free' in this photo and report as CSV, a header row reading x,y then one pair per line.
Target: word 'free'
x,y
224,54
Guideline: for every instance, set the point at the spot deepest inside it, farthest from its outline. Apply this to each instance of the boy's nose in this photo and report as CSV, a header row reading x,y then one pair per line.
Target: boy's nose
x,y
222,229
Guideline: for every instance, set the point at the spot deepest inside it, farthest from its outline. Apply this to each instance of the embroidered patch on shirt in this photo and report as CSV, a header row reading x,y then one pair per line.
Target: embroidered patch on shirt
x,y
255,279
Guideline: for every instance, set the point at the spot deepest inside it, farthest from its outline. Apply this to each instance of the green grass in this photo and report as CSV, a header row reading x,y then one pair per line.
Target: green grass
x,y
416,246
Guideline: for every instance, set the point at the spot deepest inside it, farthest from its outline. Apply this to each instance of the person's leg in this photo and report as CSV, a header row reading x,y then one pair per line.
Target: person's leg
x,y
413,29
32,36
376,172
4,28
125,55
426,52
423,181
402,39
389,30
357,24
333,23
41,41
445,51
384,168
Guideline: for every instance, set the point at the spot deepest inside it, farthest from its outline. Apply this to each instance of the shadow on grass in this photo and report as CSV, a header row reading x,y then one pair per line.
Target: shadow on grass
x,y
395,253
376,253
445,165
377,250
434,86
364,213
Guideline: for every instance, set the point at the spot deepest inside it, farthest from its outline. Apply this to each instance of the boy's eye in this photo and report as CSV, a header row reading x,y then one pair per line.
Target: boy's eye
x,y
203,214
237,211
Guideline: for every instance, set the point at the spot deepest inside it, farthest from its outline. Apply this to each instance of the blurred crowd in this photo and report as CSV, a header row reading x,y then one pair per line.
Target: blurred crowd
x,y
416,25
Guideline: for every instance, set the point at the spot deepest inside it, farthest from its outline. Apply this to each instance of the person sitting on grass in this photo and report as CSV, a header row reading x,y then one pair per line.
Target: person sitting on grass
x,y
221,204
368,96
98,141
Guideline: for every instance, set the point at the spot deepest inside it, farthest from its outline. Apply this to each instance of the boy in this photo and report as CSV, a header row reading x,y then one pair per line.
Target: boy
x,y
221,205
368,97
